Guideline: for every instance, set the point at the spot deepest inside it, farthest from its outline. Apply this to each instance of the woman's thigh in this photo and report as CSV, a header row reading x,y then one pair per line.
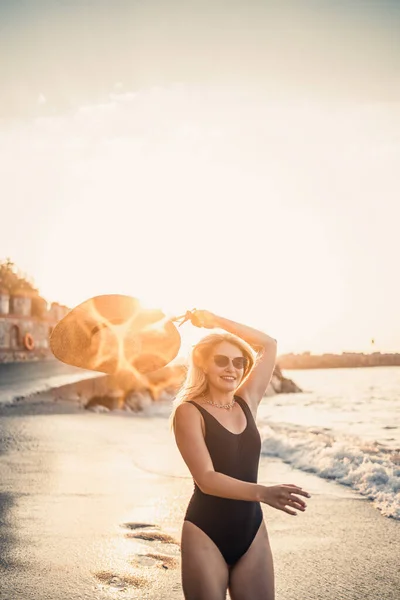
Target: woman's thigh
x,y
205,573
252,577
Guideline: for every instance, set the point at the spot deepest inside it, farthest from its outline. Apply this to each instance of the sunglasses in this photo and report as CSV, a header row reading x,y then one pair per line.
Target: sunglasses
x,y
239,362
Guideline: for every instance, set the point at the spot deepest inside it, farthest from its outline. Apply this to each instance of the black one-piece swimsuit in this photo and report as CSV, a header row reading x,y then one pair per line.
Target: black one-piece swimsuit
x,y
231,524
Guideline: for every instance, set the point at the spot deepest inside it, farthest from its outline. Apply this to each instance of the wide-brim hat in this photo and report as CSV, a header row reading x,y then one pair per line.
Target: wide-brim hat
x,y
113,334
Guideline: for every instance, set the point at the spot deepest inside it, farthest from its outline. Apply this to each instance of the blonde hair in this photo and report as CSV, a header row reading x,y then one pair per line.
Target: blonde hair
x,y
196,381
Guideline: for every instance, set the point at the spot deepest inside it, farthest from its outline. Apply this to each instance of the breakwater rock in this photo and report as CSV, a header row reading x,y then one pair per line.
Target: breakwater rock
x,y
107,393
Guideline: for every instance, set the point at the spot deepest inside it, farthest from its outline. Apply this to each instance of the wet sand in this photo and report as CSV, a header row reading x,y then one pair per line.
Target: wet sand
x,y
91,507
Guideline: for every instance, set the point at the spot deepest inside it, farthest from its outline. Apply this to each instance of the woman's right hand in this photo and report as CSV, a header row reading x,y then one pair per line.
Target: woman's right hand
x,y
203,318
284,495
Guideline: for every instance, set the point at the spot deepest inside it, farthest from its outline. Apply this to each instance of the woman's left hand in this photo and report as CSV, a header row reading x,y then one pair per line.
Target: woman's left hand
x,y
203,318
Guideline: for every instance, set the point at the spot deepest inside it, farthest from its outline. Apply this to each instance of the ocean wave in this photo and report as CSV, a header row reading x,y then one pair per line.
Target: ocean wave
x,y
367,467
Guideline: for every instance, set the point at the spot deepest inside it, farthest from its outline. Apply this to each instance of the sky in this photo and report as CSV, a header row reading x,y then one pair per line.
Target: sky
x,y
240,157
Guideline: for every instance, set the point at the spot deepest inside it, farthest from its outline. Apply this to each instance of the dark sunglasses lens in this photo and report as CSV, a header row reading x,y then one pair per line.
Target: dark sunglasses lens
x,y
240,362
221,360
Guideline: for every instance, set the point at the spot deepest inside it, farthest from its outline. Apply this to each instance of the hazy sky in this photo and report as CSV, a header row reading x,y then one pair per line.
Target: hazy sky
x,y
237,156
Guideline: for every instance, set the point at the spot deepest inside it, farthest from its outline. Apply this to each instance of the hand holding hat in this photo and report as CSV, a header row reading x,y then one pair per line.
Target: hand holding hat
x,y
199,318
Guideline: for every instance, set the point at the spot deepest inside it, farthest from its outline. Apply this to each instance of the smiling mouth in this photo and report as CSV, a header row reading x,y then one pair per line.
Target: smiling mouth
x,y
228,378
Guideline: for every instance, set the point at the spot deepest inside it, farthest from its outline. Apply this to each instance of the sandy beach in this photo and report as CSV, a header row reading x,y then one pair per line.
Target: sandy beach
x,y
92,506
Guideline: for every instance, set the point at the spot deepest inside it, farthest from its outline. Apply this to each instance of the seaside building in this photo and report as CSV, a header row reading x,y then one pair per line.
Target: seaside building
x,y
26,322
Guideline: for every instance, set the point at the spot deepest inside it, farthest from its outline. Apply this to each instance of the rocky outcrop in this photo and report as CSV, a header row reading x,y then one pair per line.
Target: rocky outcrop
x,y
281,385
159,386
136,393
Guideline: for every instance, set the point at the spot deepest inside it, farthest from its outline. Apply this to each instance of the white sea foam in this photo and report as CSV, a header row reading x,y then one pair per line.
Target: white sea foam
x,y
368,467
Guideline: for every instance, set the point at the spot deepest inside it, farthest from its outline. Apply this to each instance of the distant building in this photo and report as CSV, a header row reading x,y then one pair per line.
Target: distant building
x,y
26,322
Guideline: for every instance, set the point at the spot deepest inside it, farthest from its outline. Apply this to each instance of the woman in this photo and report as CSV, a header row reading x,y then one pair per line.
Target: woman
x,y
224,539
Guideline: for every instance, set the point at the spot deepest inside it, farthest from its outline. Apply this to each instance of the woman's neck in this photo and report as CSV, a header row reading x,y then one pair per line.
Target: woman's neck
x,y
218,396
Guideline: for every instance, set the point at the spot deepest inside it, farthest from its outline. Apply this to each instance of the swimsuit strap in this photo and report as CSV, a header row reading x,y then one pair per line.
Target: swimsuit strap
x,y
245,408
241,402
201,409
208,418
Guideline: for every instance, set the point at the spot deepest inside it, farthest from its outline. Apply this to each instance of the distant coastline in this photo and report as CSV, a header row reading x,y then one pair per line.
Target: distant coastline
x,y
346,360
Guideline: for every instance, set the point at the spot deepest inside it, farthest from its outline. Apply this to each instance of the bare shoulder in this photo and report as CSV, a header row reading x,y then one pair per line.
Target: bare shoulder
x,y
187,416
186,410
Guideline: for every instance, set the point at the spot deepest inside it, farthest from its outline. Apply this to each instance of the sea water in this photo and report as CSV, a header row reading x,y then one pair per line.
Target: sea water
x,y
345,427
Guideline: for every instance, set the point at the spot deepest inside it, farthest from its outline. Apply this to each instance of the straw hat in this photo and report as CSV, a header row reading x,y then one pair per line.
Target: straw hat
x,y
115,334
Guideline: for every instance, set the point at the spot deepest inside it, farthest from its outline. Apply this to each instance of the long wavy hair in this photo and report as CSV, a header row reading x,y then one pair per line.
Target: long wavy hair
x,y
196,381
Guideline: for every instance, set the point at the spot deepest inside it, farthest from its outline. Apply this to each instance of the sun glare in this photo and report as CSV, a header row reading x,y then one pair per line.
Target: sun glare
x,y
186,208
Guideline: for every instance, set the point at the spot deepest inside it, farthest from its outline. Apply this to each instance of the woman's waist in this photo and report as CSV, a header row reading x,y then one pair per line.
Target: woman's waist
x,y
224,507
243,472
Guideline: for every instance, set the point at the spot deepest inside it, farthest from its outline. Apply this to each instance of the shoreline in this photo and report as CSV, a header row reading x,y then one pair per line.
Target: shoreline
x,y
70,396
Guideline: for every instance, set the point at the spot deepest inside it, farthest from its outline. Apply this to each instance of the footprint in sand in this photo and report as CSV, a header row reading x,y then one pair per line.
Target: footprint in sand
x,y
148,534
142,531
163,561
120,582
152,536
139,525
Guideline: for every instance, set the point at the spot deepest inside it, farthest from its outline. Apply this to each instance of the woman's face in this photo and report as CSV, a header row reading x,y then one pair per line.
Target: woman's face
x,y
226,378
